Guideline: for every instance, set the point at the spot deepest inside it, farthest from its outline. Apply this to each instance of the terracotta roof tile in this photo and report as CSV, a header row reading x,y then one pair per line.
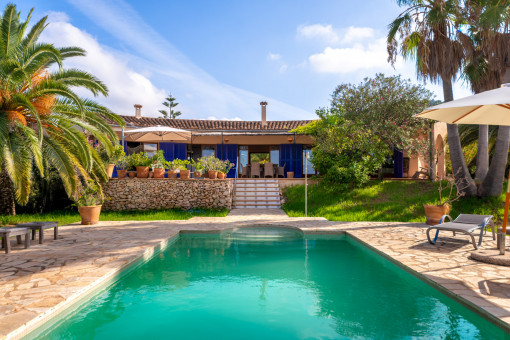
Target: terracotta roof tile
x,y
215,125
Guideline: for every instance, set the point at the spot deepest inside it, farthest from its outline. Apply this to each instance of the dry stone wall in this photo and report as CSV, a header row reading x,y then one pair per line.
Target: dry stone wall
x,y
153,193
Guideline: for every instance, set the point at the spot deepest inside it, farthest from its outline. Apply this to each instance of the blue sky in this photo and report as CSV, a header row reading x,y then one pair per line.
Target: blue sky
x,y
221,58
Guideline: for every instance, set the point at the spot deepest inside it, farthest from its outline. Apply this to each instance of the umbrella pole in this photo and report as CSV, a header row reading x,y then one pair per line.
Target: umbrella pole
x,y
502,234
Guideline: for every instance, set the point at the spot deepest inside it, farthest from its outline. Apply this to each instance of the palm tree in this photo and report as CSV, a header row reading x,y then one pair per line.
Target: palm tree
x,y
487,52
426,32
42,119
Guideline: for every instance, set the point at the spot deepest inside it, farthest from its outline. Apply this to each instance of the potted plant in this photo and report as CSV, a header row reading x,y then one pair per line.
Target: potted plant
x,y
89,203
110,159
158,165
225,168
434,212
183,169
121,166
142,162
212,165
199,167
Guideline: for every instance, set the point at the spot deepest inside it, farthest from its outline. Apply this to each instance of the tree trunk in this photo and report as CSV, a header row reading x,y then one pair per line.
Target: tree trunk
x,y
493,182
463,179
7,206
482,155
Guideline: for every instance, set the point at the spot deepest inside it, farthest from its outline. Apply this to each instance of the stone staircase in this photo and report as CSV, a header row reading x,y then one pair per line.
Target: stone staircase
x,y
257,193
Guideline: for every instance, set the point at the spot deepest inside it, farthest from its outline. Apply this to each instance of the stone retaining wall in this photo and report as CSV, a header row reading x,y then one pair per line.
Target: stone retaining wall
x,y
151,193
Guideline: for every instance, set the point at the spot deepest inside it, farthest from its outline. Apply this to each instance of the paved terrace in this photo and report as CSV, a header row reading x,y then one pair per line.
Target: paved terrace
x,y
37,281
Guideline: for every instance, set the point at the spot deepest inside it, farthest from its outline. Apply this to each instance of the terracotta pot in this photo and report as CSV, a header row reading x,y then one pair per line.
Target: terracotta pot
x,y
185,174
205,175
197,174
142,171
290,174
435,212
109,170
221,175
159,173
90,215
121,173
131,174
212,174
172,174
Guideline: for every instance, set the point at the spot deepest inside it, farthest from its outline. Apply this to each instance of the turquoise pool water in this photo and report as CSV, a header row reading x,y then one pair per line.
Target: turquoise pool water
x,y
271,286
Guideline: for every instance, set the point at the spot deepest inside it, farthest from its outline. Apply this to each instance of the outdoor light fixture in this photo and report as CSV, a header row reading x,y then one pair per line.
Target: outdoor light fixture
x,y
290,139
227,140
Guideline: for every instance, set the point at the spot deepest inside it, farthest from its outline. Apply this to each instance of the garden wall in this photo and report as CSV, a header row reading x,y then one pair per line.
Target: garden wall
x,y
155,193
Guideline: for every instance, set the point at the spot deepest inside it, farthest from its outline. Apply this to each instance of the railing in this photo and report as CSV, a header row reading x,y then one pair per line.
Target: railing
x,y
235,183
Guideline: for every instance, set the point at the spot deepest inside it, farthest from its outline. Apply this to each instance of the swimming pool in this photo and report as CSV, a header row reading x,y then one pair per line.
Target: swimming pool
x,y
273,284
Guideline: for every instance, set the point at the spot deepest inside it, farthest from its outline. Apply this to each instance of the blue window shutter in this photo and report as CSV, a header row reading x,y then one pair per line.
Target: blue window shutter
x,y
168,150
228,152
297,159
180,151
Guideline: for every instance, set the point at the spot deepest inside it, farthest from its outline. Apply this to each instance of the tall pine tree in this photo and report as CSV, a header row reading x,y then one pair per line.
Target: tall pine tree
x,y
170,104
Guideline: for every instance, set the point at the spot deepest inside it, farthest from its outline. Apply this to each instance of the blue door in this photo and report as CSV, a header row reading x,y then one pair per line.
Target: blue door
x,y
228,152
398,161
292,156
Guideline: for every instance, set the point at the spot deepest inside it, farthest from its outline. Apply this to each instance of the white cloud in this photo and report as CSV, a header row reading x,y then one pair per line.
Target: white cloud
x,y
318,31
216,118
151,52
283,68
273,56
125,85
355,34
57,16
351,59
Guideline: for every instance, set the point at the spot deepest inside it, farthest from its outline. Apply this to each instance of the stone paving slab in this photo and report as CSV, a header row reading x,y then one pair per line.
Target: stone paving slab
x,y
37,281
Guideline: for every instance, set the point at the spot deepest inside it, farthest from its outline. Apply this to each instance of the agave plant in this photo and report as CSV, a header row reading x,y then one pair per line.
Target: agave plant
x,y
43,122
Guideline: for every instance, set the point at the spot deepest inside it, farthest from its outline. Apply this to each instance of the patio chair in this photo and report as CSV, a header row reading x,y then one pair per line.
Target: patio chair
x,y
255,169
268,170
281,171
245,172
466,224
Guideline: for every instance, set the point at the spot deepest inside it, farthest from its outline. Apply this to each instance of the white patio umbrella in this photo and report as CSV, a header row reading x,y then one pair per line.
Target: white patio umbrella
x,y
158,133
486,108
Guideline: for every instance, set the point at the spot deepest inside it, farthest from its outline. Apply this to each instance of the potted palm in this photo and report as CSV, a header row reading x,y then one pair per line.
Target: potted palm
x,y
142,162
158,164
212,165
449,191
89,203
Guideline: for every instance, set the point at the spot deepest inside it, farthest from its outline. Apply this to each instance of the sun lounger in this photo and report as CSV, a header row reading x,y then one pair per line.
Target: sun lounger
x,y
466,224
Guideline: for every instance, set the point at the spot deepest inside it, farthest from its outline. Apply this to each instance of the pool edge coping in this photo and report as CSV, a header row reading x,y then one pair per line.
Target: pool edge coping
x,y
77,299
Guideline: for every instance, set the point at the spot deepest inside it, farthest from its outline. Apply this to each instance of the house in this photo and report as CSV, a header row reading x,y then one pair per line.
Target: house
x,y
246,142
242,142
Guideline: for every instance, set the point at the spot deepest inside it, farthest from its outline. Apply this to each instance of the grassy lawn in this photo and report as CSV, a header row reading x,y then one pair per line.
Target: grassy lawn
x,y
398,201
70,216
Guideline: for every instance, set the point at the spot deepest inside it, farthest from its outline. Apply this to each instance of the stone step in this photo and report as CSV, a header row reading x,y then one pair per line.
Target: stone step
x,y
257,200
251,195
250,206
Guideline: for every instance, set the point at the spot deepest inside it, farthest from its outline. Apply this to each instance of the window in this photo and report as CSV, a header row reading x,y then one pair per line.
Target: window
x,y
150,149
275,154
259,157
307,164
208,150
243,156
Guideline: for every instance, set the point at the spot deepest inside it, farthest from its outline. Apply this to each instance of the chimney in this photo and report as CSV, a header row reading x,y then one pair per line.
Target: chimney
x,y
138,111
263,105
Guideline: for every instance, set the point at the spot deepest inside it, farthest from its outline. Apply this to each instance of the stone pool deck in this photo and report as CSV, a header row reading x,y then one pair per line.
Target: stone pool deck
x,y
37,282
